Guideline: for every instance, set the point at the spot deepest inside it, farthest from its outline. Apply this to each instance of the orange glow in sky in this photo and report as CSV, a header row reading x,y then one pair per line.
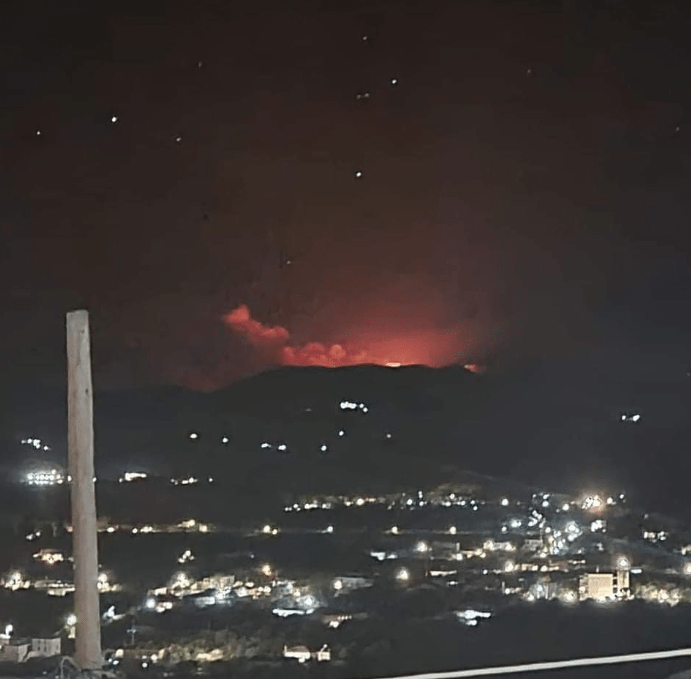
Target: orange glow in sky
x,y
420,347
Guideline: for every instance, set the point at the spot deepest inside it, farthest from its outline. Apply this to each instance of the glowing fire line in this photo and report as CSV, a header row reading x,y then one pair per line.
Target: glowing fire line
x,y
393,352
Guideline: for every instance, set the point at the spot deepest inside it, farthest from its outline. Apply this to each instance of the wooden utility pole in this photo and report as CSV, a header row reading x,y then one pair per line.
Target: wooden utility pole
x,y
88,654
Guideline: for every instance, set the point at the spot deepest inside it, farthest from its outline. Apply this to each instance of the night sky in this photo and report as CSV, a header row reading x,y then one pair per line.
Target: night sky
x,y
228,186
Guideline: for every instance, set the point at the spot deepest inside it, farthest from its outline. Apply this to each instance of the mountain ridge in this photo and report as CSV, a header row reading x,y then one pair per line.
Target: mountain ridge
x,y
557,428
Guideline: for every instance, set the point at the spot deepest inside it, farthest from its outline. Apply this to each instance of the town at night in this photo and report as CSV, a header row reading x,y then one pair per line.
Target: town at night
x,y
345,339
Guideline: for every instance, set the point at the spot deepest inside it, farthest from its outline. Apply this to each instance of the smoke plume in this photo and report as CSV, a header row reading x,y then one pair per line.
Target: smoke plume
x,y
276,340
258,334
383,345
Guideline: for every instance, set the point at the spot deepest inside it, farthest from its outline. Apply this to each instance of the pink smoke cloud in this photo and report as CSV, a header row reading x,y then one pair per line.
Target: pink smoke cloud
x,y
316,353
241,321
278,338
433,347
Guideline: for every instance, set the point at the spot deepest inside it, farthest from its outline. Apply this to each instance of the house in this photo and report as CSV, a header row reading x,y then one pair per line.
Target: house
x,y
532,544
202,599
351,582
299,653
49,556
302,654
219,581
45,647
15,651
287,612
55,587
323,654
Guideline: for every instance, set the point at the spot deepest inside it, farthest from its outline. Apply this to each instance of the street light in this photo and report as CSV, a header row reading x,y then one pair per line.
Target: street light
x,y
623,563
403,575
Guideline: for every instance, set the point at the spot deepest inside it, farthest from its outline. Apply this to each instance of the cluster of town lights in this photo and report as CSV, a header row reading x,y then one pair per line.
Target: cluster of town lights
x,y
186,556
350,405
129,477
45,478
37,444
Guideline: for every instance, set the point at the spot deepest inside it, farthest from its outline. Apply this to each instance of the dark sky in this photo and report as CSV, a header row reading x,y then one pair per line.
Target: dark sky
x,y
524,190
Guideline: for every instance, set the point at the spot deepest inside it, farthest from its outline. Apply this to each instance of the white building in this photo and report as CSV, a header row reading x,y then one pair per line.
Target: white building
x,y
597,586
350,582
323,654
300,653
129,477
219,581
604,585
288,612
15,651
46,647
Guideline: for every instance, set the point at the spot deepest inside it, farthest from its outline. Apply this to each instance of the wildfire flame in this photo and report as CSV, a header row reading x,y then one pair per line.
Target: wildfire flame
x,y
413,349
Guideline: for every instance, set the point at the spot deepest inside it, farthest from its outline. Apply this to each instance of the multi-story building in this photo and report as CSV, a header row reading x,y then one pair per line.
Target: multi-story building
x,y
597,586
46,647
604,585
